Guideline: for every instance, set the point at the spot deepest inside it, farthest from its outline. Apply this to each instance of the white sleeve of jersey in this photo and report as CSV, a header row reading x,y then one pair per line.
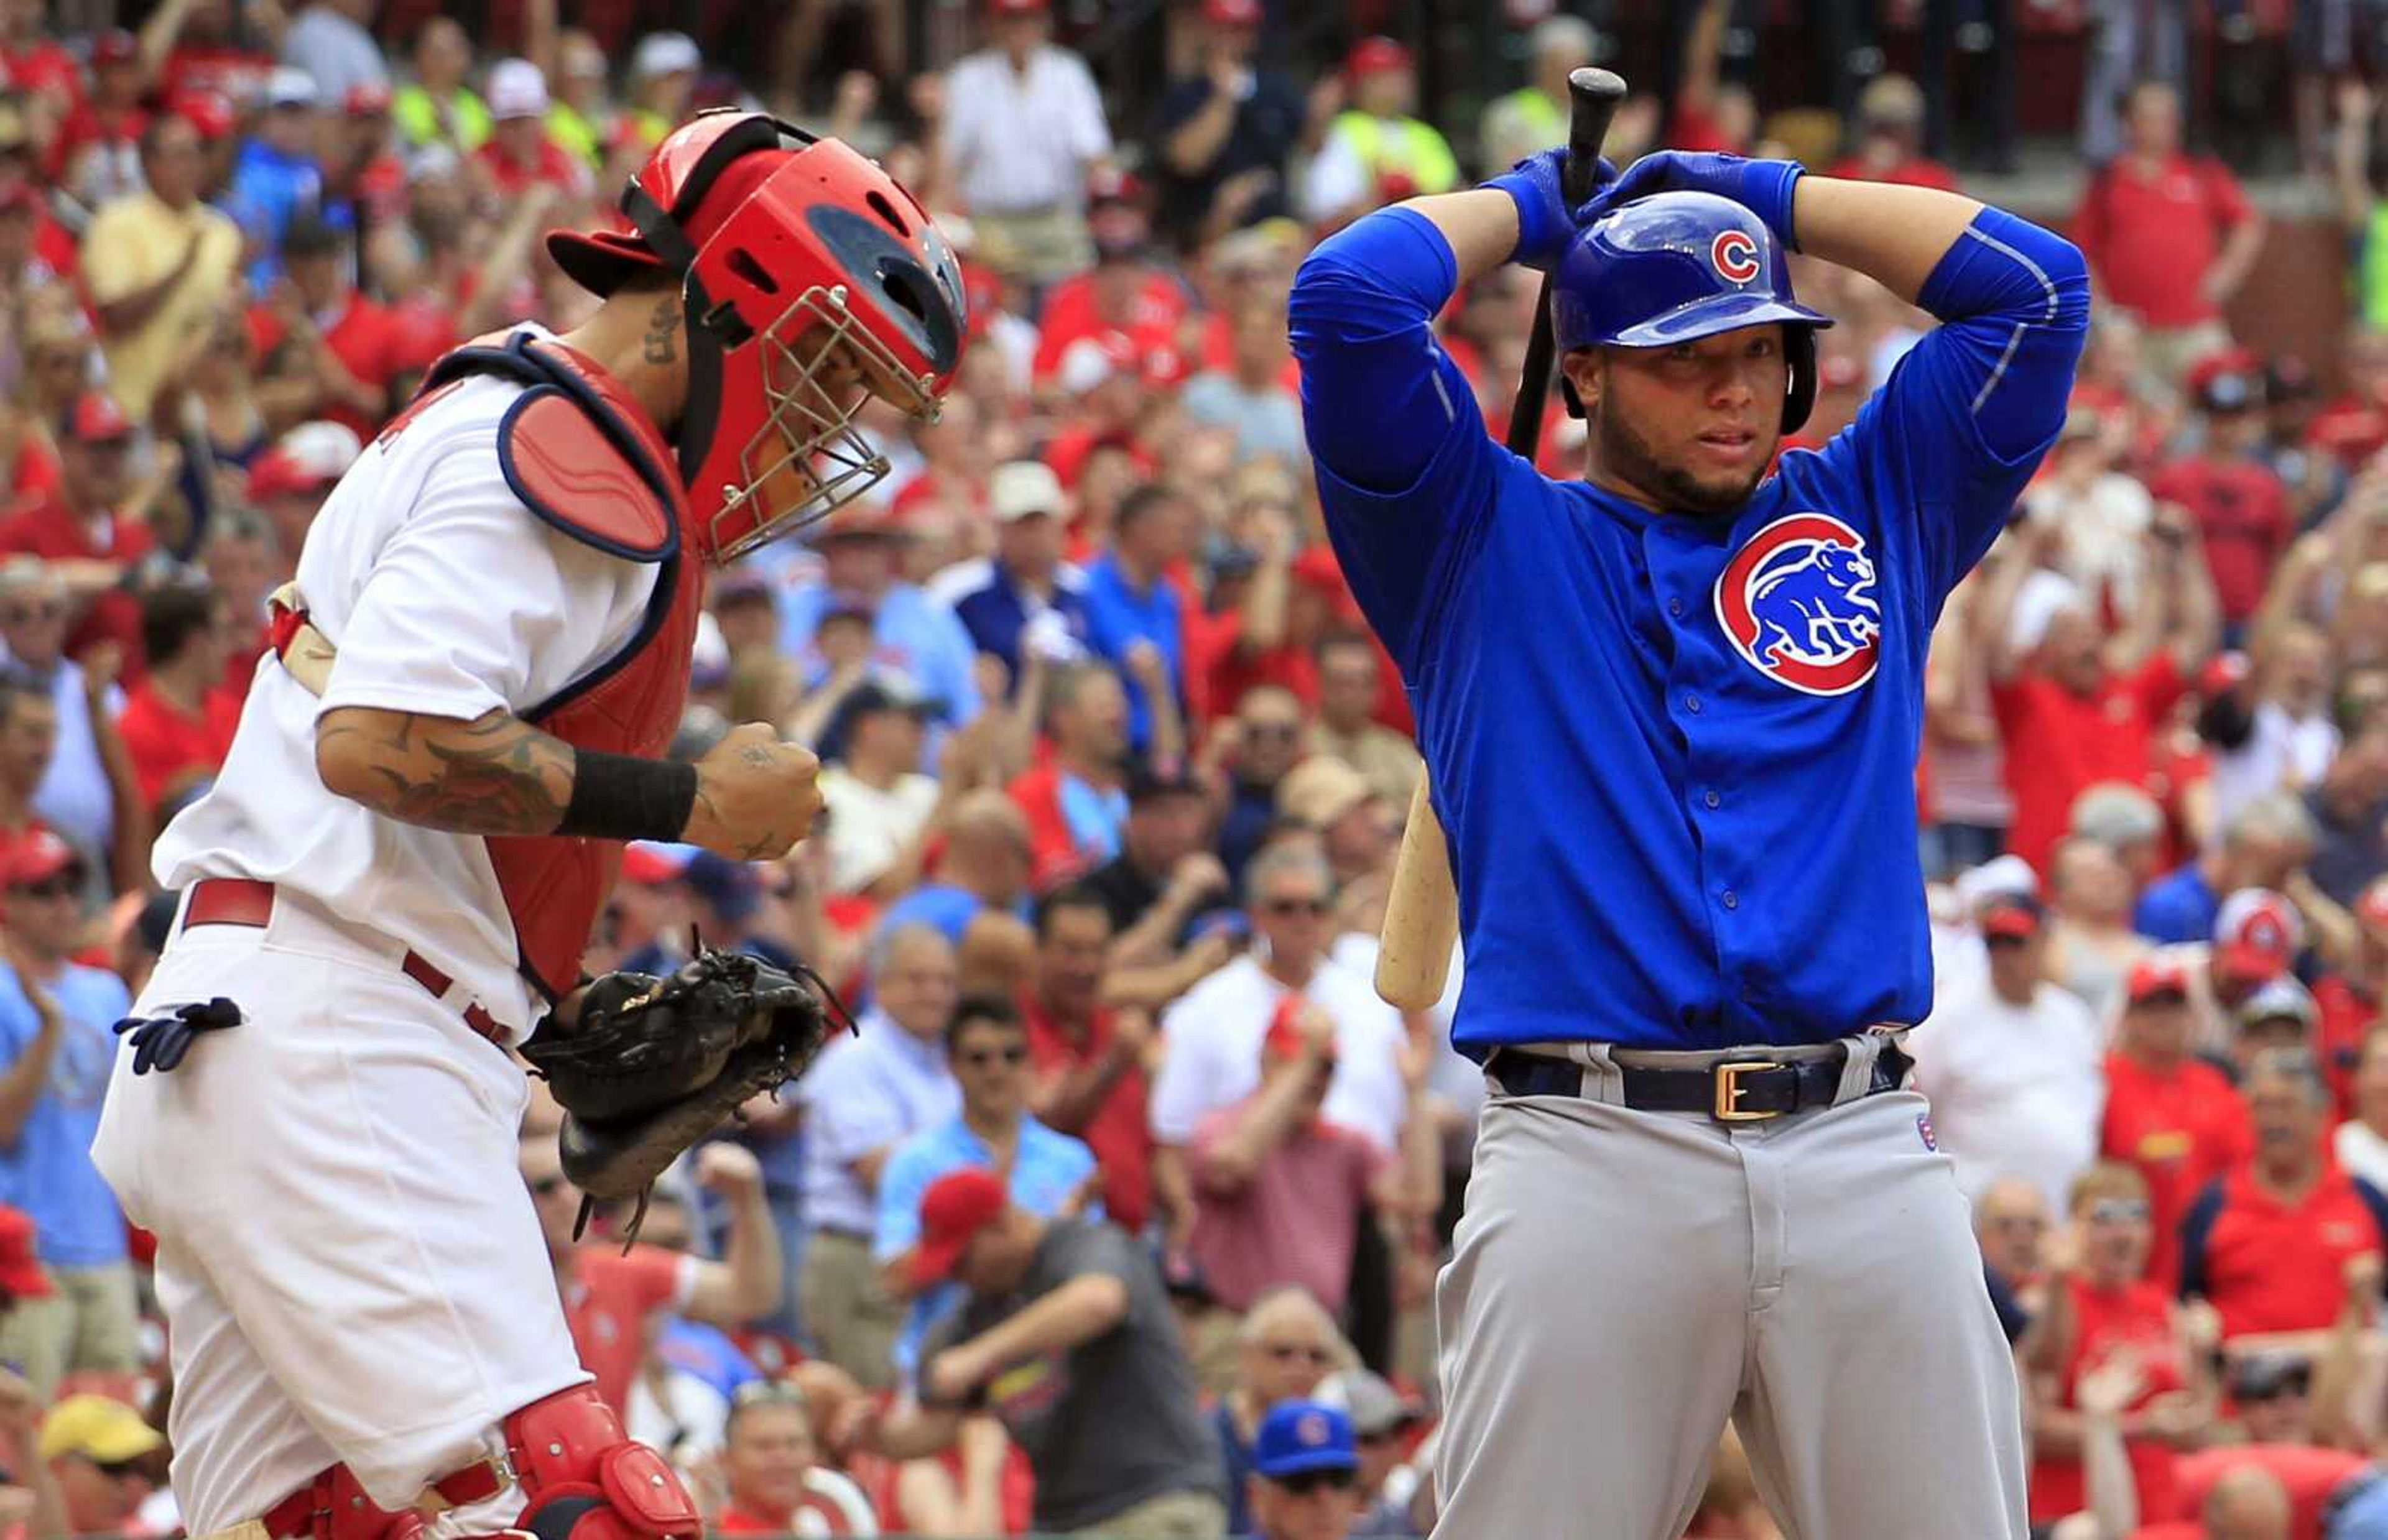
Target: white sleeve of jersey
x,y
473,604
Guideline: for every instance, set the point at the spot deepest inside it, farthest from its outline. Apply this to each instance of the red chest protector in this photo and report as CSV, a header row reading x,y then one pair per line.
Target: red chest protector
x,y
583,456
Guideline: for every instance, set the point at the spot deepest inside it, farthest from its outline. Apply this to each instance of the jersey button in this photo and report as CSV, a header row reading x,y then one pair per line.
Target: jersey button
x,y
1692,704
1712,799
1731,900
1675,607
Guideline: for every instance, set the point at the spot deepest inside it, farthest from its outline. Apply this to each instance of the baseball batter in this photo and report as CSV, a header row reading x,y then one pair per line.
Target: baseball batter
x,y
395,876
1671,713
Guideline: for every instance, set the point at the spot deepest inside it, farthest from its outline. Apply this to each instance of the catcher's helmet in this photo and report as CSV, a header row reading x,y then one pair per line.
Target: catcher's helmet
x,y
1675,266
798,259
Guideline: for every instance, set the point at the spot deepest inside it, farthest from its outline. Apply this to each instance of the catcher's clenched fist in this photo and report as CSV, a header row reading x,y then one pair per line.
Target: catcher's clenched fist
x,y
755,796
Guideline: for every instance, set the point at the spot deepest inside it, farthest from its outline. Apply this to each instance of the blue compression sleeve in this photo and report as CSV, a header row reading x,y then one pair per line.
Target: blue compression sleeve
x,y
1380,397
2015,301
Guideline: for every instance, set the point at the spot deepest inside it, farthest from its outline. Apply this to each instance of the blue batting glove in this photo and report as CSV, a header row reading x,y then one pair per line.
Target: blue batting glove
x,y
1546,226
1763,187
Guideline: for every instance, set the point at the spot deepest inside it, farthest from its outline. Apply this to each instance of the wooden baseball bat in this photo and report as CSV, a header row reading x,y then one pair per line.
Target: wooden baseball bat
x,y
1422,908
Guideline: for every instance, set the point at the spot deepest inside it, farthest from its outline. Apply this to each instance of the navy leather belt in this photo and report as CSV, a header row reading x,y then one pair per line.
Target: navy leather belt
x,y
1735,1090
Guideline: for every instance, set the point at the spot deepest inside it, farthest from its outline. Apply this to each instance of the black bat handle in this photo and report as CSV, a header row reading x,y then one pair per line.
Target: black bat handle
x,y
1592,96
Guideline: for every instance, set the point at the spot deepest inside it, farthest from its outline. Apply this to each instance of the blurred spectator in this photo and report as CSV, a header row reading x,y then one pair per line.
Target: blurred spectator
x,y
2169,236
157,263
1374,152
1125,310
1050,1174
325,332
2241,508
29,735
328,39
1213,1036
2170,1116
770,1464
56,1017
177,723
2274,728
1134,611
94,151
1534,117
212,411
2348,998
1382,1419
2092,947
1264,744
1163,876
662,80
615,1299
1077,803
2349,805
2360,1144
1890,138
87,776
2012,1222
2090,706
985,865
1252,396
1087,1061
1304,1484
92,530
276,177
100,1452
1025,596
2264,842
2011,1063
1069,1338
436,106
1711,113
1279,1190
289,482
581,120
1024,125
1356,828
1227,133
863,1099
860,554
1350,680
2267,1244
2104,1308
519,153
1285,1345
879,804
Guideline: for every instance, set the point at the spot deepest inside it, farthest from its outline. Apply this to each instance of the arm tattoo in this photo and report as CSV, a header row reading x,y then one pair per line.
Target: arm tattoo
x,y
662,340
494,775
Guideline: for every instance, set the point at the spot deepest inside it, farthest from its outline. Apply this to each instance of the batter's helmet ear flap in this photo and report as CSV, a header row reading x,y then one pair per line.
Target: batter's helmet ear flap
x,y
1799,352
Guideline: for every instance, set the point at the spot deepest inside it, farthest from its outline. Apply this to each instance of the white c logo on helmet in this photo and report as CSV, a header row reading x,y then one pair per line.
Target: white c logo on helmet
x,y
1735,256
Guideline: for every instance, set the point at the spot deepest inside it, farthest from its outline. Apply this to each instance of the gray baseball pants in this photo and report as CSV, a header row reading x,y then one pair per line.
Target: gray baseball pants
x,y
1622,1282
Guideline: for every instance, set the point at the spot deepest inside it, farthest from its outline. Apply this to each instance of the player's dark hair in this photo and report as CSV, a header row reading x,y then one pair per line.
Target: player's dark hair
x,y
981,1010
171,616
1070,895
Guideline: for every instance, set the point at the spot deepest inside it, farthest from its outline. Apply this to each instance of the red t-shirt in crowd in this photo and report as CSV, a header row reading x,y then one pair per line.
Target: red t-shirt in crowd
x,y
56,533
45,67
1295,1221
2151,238
828,1508
607,1305
1053,855
2076,742
2307,1474
2347,1012
555,165
1916,170
1120,1132
2244,512
84,126
2350,430
1069,315
2179,1130
1217,674
2269,1265
1692,130
1015,1490
236,74
170,749
360,336
2137,1319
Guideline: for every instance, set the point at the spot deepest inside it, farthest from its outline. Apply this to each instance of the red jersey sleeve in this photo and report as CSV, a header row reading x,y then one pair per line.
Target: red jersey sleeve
x,y
2224,196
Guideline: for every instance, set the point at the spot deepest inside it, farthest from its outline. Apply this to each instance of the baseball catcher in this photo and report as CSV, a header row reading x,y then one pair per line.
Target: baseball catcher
x,y
463,716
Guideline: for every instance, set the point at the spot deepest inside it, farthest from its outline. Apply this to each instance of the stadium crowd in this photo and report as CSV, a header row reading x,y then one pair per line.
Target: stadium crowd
x,y
1114,777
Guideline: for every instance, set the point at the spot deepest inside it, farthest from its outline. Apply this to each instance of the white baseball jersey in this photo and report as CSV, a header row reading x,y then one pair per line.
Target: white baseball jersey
x,y
446,596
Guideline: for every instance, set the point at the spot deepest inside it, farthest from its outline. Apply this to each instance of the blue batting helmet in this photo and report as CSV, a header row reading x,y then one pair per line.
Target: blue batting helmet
x,y
1675,266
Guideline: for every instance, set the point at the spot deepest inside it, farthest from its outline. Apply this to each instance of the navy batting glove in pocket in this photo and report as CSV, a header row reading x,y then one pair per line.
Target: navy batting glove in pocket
x,y
159,1041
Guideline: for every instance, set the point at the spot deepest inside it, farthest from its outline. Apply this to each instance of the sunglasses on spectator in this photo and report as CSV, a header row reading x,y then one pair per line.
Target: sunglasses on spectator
x,y
117,1469
1302,1483
2119,1211
1286,1352
1274,732
1295,906
979,1058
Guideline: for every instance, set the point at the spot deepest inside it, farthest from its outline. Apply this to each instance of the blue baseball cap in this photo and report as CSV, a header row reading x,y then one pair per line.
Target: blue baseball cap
x,y
1304,1435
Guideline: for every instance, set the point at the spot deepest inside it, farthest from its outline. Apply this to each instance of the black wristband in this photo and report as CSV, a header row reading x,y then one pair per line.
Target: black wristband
x,y
617,797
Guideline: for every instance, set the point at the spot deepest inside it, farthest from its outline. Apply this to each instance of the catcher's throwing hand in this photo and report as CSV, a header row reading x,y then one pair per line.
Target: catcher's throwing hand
x,y
755,796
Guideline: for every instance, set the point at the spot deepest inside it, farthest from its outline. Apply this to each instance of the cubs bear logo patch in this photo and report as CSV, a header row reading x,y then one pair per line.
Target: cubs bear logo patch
x,y
1800,604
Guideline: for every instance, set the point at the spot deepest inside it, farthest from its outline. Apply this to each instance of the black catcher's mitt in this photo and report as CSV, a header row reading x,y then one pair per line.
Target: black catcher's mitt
x,y
653,1065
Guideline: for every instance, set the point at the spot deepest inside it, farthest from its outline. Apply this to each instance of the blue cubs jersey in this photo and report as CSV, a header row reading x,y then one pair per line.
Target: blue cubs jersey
x,y
1675,755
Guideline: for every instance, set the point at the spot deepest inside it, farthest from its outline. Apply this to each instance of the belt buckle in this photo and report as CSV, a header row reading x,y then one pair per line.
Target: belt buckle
x,y
1727,1107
